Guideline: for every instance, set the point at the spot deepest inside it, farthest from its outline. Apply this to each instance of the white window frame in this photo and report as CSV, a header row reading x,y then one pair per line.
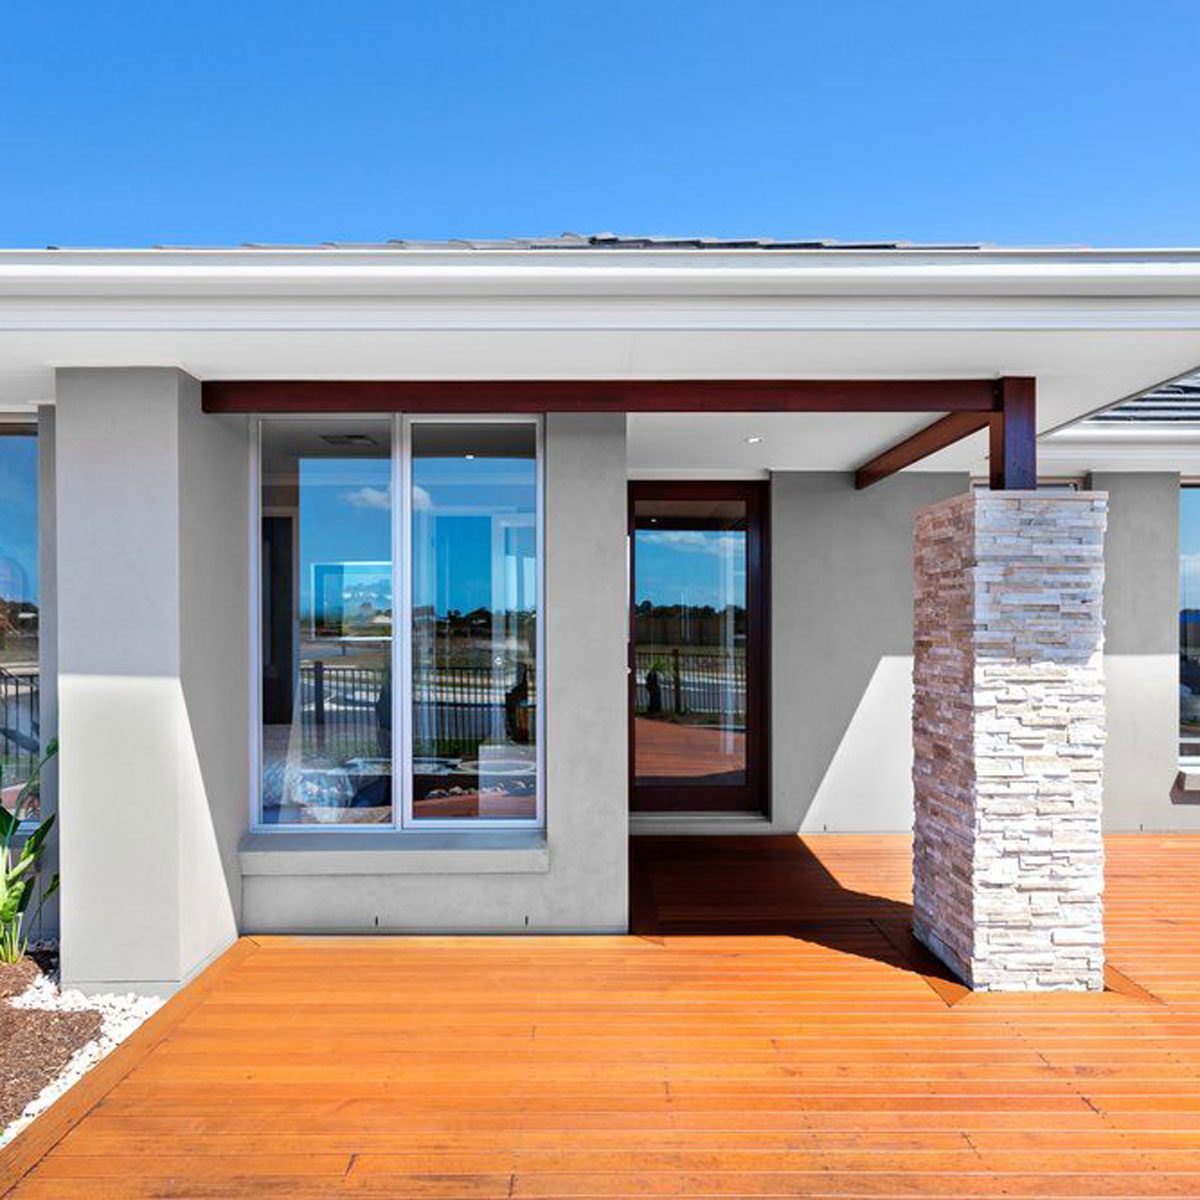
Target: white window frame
x,y
1187,761
402,820
26,425
402,670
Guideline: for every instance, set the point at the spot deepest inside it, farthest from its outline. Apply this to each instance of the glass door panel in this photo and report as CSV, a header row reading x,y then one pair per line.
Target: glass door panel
x,y
696,637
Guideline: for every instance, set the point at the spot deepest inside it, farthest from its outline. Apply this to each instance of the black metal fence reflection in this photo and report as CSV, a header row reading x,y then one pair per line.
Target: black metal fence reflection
x,y
20,696
346,711
704,684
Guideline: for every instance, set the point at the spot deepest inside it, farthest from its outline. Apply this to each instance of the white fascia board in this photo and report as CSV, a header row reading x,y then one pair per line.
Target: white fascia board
x,y
627,274
242,310
383,289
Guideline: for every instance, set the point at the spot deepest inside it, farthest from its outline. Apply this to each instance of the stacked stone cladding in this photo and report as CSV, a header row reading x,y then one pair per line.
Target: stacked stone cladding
x,y
1008,735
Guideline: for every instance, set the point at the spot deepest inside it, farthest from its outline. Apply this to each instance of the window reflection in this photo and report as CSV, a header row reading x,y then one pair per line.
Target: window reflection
x,y
19,613
326,622
1189,623
690,642
474,612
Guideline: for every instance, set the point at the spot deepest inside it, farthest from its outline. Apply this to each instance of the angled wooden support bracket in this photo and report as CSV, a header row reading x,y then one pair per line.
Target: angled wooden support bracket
x,y
945,431
1013,439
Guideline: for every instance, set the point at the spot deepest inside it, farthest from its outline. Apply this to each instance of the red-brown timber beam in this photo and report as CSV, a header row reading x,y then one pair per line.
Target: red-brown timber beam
x,y
1012,425
612,395
945,431
1012,455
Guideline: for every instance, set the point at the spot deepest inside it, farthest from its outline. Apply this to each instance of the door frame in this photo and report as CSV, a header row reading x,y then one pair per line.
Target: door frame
x,y
754,795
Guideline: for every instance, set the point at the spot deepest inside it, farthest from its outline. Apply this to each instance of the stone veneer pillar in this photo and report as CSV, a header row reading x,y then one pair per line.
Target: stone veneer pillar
x,y
1008,736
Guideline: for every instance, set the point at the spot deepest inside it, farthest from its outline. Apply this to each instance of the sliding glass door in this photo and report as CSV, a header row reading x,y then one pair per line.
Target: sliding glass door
x,y
697,630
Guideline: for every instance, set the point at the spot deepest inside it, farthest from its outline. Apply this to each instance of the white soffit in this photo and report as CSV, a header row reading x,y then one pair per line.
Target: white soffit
x,y
1093,326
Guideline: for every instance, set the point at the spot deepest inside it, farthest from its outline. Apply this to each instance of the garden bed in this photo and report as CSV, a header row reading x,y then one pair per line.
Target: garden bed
x,y
50,1038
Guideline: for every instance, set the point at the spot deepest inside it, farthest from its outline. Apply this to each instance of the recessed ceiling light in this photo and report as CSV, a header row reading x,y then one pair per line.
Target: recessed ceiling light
x,y
753,441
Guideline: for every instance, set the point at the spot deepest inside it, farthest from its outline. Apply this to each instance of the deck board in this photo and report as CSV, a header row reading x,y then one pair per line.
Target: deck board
x,y
766,1031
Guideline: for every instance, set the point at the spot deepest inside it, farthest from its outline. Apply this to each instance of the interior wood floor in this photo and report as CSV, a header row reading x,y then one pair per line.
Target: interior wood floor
x,y
769,1031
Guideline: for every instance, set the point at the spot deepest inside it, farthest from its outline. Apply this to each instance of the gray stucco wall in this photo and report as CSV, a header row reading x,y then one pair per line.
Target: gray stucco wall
x,y
579,882
214,670
147,795
841,636
1141,651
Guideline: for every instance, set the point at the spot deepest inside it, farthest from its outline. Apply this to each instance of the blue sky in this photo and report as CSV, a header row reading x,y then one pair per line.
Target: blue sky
x,y
691,567
1046,122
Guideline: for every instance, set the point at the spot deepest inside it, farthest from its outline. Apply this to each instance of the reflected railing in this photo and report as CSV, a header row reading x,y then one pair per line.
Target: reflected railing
x,y
703,684
345,711
20,699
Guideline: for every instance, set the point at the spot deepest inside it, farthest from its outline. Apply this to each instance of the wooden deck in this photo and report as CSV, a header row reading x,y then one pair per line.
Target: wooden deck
x,y
772,1032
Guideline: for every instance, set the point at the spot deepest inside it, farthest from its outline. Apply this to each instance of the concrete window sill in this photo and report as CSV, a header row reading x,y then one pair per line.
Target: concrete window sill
x,y
388,852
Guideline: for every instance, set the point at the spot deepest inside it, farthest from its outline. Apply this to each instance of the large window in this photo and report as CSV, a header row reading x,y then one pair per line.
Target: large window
x,y
431,525
19,692
1189,623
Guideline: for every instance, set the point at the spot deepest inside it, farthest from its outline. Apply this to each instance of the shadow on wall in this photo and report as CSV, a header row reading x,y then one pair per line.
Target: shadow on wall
x,y
867,782
772,885
841,646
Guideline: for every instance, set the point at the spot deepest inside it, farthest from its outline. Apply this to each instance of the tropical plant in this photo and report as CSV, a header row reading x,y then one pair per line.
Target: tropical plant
x,y
20,864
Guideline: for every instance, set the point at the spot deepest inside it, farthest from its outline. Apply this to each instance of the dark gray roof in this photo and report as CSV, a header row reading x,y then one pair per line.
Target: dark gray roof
x,y
613,241
1171,403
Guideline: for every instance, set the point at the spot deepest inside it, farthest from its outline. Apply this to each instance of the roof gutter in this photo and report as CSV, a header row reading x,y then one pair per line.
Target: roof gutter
x,y
629,274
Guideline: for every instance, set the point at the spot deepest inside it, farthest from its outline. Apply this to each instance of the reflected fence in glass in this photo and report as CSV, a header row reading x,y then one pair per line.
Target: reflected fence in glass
x,y
690,627
20,690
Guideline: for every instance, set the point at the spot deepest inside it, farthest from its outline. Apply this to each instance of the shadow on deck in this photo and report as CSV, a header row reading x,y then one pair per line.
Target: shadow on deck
x,y
770,886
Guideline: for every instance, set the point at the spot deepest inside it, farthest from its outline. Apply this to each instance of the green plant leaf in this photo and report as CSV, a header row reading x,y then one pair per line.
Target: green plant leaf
x,y
34,842
30,788
21,867
14,903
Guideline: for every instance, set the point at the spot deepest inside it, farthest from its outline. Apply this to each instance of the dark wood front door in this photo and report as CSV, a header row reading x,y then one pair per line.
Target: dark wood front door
x,y
697,635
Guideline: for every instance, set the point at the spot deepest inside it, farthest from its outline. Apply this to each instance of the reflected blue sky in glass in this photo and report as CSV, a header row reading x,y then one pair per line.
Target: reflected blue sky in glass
x,y
18,518
345,517
1189,547
465,497
695,567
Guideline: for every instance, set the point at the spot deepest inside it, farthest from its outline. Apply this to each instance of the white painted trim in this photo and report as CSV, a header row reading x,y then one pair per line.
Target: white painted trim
x,y
469,825
402,693
463,289
254,650
257,511
590,310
